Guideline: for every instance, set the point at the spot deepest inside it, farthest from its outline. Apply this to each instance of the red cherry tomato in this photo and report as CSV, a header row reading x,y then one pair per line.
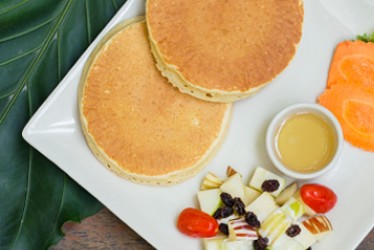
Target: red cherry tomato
x,y
318,197
196,223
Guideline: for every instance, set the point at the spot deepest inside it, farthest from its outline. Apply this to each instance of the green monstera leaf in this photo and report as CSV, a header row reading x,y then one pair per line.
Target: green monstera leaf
x,y
39,41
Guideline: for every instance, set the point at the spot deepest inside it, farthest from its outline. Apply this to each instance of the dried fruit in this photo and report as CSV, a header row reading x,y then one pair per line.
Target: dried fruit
x,y
293,230
239,206
227,199
270,185
252,220
260,243
224,228
223,212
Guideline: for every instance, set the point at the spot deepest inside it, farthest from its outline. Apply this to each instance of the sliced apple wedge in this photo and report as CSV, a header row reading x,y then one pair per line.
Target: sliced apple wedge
x,y
293,209
234,186
274,225
250,195
287,193
213,243
318,225
262,206
230,171
285,242
261,175
305,238
240,230
238,245
211,181
209,200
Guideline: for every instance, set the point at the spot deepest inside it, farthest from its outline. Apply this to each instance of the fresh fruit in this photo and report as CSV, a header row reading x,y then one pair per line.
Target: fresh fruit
x,y
305,238
353,61
262,206
318,225
353,106
240,230
213,243
274,225
195,223
250,195
210,181
209,200
287,193
308,210
237,245
234,186
293,208
318,197
230,171
262,175
285,242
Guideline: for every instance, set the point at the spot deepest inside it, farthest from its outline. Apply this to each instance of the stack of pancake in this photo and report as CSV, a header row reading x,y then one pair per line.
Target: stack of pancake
x,y
145,129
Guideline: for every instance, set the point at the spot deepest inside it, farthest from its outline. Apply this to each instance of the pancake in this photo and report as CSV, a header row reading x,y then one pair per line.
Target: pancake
x,y
223,51
135,122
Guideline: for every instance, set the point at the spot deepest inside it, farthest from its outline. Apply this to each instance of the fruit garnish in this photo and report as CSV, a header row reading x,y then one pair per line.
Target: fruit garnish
x,y
211,181
195,223
318,225
262,176
350,91
230,171
287,193
318,197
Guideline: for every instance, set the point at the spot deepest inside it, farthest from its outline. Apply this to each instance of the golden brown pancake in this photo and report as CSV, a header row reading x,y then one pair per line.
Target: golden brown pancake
x,y
223,50
136,123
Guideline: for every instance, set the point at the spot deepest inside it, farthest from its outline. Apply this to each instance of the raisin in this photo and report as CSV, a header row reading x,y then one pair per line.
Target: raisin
x,y
223,212
224,228
270,185
217,214
309,248
252,220
226,211
260,243
227,199
239,206
293,230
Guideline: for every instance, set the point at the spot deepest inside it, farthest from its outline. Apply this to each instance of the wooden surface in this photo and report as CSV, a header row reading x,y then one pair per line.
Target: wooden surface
x,y
105,231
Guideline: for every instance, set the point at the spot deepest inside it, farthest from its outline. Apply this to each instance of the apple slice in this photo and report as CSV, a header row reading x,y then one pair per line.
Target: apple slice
x,y
287,193
308,210
250,195
274,225
240,230
305,238
230,171
261,175
234,186
213,243
262,206
210,181
238,245
209,200
293,209
285,242
318,225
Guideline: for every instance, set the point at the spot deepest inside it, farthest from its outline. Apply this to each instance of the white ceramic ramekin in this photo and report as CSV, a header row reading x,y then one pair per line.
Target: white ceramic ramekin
x,y
278,121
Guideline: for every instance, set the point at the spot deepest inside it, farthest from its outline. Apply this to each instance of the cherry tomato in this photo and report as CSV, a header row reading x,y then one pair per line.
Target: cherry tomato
x,y
318,197
196,223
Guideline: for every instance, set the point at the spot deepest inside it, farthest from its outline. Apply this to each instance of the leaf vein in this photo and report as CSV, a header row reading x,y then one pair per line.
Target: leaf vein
x,y
13,7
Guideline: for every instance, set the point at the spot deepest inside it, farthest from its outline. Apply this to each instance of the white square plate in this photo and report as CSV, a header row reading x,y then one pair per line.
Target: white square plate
x,y
152,211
